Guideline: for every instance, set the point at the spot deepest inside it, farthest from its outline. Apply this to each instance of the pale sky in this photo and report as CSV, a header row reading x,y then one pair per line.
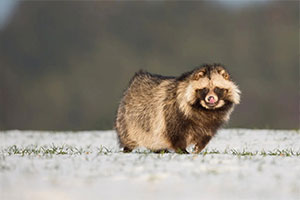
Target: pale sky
x,y
6,10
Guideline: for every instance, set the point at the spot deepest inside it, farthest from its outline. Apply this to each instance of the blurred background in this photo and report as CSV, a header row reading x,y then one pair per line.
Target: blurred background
x,y
65,64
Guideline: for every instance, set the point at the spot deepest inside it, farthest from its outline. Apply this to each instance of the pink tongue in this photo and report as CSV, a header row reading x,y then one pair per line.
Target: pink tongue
x,y
212,100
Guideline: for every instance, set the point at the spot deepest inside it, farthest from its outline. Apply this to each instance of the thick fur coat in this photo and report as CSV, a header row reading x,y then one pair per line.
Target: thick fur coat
x,y
171,113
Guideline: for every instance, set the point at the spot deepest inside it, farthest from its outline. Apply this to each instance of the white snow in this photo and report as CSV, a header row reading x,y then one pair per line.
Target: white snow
x,y
101,171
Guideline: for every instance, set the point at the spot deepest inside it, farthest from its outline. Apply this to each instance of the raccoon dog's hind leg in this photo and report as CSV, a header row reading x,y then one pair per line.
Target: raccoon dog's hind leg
x,y
127,144
127,150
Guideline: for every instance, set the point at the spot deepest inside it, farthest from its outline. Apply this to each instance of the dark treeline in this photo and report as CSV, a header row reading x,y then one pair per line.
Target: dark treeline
x,y
64,65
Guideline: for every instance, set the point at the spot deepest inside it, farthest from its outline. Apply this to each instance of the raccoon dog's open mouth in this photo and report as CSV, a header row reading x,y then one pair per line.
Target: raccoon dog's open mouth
x,y
211,101
211,105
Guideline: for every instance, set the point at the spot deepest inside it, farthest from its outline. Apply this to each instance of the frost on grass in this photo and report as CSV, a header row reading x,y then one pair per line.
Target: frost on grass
x,y
237,164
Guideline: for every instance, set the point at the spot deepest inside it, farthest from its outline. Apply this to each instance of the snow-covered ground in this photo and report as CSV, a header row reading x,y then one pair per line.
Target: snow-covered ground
x,y
237,164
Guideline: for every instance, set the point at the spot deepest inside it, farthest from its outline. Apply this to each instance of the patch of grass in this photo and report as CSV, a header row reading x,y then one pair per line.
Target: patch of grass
x,y
276,152
243,153
102,150
213,151
44,150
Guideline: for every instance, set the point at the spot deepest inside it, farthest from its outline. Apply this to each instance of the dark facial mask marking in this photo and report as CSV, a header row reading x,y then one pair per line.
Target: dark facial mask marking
x,y
201,93
219,92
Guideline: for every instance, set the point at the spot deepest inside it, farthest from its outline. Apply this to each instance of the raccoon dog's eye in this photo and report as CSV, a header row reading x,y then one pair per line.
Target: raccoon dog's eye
x,y
219,91
205,90
202,92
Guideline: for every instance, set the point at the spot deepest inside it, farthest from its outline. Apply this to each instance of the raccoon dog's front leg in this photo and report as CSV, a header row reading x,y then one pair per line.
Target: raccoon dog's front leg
x,y
179,145
161,151
181,151
201,143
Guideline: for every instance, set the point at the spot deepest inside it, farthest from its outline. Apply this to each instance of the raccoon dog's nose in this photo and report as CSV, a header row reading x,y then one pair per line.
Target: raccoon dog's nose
x,y
211,99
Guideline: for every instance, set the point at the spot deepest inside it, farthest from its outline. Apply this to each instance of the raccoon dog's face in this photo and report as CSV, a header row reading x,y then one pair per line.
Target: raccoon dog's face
x,y
211,97
212,87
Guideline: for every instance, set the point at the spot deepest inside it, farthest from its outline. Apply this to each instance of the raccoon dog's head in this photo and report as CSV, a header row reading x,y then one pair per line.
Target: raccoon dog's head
x,y
210,87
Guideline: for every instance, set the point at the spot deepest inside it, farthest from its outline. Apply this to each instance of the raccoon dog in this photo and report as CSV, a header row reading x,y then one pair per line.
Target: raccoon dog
x,y
171,113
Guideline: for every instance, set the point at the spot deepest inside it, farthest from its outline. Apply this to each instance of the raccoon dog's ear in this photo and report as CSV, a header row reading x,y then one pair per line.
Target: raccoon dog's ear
x,y
198,75
224,73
